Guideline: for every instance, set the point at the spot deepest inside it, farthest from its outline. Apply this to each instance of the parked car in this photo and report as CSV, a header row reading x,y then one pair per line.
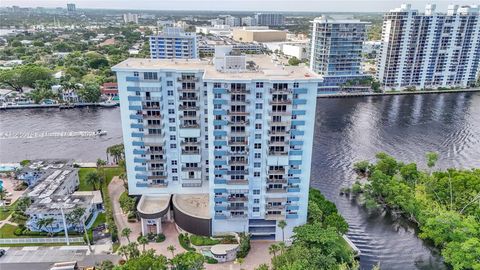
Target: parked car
x,y
2,252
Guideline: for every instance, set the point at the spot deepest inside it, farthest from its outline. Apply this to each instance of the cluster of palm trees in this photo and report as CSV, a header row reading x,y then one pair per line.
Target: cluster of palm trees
x,y
117,152
279,249
131,249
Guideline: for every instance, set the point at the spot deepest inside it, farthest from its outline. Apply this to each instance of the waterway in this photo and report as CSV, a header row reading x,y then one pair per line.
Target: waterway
x,y
347,130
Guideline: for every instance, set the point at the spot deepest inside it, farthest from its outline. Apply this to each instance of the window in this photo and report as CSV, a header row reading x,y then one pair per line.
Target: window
x,y
135,74
257,164
256,209
175,178
258,106
258,126
217,85
171,111
217,106
256,200
259,84
170,92
174,170
218,96
258,116
258,155
174,162
173,138
171,120
172,129
169,83
171,102
256,174
258,136
295,85
256,192
150,76
258,95
173,146
257,146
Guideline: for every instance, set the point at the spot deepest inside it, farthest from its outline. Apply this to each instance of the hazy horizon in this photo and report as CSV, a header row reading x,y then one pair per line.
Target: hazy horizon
x,y
245,5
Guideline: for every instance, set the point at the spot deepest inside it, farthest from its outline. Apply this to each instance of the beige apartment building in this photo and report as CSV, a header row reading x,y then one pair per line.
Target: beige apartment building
x,y
258,35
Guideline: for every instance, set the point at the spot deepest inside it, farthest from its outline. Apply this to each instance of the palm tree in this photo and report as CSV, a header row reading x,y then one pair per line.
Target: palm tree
x,y
93,179
171,248
48,222
100,164
133,249
282,247
142,240
273,249
282,224
123,251
126,233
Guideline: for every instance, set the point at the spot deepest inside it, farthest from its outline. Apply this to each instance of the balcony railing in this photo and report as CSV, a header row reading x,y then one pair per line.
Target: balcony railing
x,y
237,207
274,216
190,152
239,123
276,181
237,162
189,143
241,90
189,98
237,182
278,132
280,91
280,101
230,112
234,142
273,143
189,79
189,169
191,90
188,108
237,172
151,177
276,190
189,126
237,199
278,153
275,207
285,113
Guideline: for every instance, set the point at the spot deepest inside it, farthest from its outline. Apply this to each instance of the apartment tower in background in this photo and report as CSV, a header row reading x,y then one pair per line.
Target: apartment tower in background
x,y
429,50
174,43
336,51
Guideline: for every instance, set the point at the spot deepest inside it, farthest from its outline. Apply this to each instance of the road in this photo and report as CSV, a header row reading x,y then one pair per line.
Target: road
x,y
115,189
40,258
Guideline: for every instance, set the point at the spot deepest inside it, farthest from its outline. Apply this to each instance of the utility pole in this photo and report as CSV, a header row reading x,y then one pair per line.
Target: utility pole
x,y
65,226
86,234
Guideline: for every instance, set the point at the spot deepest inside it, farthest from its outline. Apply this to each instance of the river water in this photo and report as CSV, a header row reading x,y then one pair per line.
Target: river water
x,y
347,130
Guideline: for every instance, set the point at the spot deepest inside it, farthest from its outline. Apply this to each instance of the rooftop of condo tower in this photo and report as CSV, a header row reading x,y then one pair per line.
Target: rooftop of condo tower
x,y
251,67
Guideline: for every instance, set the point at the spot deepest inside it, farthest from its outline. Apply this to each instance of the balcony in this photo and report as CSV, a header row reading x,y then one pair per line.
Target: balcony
x,y
190,152
188,98
189,125
239,101
238,162
239,123
230,112
237,172
280,101
188,108
279,143
240,91
278,132
237,182
153,177
187,79
280,91
278,153
276,190
237,207
238,216
189,143
157,160
151,99
281,113
191,169
285,123
275,207
188,90
234,142
237,199
189,117
220,216
274,216
276,181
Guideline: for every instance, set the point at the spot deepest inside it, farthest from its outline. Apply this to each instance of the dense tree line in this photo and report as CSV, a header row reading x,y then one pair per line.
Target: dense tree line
x,y
444,204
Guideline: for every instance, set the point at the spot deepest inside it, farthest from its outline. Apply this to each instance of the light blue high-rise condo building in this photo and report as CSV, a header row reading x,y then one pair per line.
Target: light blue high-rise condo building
x,y
270,19
429,50
219,146
336,51
174,43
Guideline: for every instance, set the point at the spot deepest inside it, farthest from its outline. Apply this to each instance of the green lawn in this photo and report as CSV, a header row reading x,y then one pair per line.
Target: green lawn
x,y
100,220
109,174
7,230
5,211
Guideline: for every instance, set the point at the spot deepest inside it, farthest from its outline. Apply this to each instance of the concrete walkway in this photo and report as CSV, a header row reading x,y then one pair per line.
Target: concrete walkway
x,y
40,240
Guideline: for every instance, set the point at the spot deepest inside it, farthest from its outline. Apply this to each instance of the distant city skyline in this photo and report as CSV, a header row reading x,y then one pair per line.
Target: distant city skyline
x,y
244,5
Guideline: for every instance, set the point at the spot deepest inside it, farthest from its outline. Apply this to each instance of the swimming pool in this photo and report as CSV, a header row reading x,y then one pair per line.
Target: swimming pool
x,y
7,168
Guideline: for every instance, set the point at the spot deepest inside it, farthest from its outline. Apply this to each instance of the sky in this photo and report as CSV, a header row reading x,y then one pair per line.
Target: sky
x,y
243,5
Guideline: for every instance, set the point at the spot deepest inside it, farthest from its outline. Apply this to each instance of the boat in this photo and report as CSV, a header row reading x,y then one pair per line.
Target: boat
x,y
108,104
66,106
100,132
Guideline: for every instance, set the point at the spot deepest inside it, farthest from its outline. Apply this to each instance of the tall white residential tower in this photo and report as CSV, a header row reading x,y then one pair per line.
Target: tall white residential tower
x,y
174,43
429,50
227,143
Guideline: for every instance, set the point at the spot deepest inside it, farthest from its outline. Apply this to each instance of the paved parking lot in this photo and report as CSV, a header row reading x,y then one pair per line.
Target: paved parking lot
x,y
42,255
